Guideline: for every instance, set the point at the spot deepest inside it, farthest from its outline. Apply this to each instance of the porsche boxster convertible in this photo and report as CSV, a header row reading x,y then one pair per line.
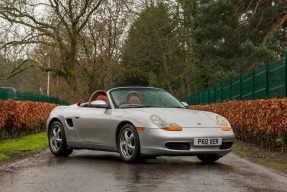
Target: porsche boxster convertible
x,y
138,123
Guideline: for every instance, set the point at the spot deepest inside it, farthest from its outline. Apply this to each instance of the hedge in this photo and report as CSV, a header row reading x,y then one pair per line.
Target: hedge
x,y
23,117
262,122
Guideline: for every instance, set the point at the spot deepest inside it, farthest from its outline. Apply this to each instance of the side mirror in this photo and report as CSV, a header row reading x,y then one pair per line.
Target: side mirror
x,y
99,104
185,104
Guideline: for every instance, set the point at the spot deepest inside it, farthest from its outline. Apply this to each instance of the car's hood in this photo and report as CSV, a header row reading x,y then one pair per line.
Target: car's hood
x,y
182,117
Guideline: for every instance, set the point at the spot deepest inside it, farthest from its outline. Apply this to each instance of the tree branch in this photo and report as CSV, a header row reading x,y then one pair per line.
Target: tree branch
x,y
16,70
259,4
275,26
15,43
84,22
55,6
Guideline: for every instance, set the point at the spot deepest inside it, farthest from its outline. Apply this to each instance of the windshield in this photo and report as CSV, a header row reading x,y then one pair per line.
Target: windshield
x,y
143,97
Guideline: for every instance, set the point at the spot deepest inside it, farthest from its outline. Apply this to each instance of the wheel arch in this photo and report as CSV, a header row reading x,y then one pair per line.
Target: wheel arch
x,y
51,122
64,149
120,126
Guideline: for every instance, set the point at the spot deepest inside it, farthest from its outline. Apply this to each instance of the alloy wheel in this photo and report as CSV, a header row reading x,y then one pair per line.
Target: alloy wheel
x,y
56,138
127,143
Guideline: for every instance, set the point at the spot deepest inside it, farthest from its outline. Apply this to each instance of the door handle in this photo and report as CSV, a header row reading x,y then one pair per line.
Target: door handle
x,y
77,116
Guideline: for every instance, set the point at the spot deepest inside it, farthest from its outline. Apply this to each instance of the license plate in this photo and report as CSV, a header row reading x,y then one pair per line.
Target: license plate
x,y
207,141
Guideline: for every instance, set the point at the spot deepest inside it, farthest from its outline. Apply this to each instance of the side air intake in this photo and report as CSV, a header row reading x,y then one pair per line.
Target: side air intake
x,y
70,122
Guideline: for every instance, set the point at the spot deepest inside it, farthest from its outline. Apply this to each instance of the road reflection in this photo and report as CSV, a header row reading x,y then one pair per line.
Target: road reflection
x,y
170,173
101,171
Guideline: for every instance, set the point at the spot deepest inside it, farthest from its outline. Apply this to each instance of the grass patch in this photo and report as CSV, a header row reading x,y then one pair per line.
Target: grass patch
x,y
23,146
3,157
273,164
265,157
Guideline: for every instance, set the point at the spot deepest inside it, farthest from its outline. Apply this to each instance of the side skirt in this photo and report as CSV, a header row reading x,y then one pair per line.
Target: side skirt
x,y
81,145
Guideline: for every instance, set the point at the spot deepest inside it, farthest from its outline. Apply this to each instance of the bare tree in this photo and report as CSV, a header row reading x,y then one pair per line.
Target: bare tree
x,y
101,43
54,23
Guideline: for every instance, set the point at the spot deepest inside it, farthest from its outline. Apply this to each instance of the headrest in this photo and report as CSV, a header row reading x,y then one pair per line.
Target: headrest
x,y
102,97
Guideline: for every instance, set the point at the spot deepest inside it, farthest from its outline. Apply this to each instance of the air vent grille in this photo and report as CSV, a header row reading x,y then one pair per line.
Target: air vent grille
x,y
178,146
70,122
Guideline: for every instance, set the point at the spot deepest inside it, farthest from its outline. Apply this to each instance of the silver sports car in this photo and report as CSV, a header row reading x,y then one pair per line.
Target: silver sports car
x,y
138,123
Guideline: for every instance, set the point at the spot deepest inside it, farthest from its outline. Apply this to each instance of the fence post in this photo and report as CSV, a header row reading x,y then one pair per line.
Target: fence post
x,y
240,87
285,63
208,98
230,90
267,79
253,83
221,93
214,95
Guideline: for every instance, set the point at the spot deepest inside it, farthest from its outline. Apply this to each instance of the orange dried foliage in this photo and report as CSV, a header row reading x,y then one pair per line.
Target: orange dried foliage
x,y
23,116
260,120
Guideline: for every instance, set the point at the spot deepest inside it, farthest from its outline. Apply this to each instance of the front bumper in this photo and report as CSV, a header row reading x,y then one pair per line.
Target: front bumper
x,y
158,142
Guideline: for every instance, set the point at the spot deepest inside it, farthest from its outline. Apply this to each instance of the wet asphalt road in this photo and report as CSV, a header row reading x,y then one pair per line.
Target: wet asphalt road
x,y
101,171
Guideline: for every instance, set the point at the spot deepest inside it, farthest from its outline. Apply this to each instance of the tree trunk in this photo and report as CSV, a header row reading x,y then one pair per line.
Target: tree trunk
x,y
167,75
187,85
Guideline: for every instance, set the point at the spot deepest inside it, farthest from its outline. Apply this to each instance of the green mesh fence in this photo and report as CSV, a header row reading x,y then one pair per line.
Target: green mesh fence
x,y
266,81
11,93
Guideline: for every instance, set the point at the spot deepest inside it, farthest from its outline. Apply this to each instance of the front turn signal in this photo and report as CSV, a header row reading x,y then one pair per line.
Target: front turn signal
x,y
172,128
140,128
225,128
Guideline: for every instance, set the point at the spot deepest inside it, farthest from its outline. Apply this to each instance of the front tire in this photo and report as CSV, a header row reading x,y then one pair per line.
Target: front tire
x,y
128,144
209,159
57,140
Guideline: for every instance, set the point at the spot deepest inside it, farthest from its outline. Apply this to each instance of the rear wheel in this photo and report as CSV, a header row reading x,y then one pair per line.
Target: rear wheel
x,y
57,140
128,144
208,158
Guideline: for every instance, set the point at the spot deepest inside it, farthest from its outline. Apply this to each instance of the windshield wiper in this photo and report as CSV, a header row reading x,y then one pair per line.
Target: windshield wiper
x,y
143,106
133,106
130,105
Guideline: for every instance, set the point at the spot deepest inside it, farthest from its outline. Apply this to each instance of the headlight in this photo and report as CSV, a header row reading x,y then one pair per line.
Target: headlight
x,y
163,124
223,123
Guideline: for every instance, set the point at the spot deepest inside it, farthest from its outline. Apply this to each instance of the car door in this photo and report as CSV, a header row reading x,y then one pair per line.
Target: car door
x,y
93,124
